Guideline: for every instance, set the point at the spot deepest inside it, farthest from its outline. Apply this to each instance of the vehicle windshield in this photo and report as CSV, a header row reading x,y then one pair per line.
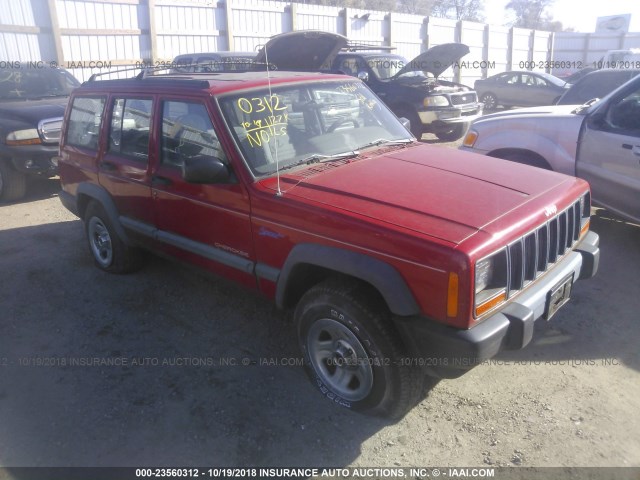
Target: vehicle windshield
x,y
34,83
388,66
553,79
308,122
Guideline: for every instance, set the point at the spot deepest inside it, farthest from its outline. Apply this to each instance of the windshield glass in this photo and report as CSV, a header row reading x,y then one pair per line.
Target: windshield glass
x,y
387,66
31,83
554,80
307,120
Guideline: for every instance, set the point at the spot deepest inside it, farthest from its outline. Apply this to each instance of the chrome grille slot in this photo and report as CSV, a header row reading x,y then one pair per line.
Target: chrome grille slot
x,y
553,240
543,248
516,264
536,252
530,256
562,233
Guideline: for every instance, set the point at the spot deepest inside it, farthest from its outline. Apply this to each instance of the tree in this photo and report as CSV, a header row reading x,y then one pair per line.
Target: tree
x,y
470,10
531,14
417,7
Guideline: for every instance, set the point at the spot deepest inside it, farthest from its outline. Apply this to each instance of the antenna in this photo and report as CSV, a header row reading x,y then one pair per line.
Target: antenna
x,y
266,60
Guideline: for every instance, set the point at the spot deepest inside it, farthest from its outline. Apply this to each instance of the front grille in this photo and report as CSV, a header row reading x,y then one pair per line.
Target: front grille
x,y
50,129
535,253
463,98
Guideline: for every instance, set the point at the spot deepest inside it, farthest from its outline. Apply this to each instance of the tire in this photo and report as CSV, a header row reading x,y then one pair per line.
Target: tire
x,y
490,101
352,353
417,129
13,184
452,134
109,252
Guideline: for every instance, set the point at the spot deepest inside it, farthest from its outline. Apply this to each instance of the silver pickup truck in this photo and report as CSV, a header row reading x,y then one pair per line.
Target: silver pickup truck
x,y
598,141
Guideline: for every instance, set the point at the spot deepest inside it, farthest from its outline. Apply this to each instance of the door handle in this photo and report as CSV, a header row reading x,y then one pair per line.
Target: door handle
x,y
160,180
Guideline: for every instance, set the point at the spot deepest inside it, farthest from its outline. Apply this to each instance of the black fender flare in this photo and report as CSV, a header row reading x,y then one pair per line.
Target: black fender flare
x,y
382,276
99,194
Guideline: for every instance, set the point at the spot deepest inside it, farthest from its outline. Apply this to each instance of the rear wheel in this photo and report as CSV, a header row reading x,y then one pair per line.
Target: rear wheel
x,y
490,100
109,252
13,184
352,353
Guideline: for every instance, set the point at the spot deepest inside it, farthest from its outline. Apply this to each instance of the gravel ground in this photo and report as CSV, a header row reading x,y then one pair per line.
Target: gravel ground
x,y
569,399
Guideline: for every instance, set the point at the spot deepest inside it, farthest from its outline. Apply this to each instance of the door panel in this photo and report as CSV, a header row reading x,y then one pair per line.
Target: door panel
x,y
124,167
204,224
609,156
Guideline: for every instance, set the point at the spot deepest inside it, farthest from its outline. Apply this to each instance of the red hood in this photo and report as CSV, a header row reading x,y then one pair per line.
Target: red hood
x,y
439,192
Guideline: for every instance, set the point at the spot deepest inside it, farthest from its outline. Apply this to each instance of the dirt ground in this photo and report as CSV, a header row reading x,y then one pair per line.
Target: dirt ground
x,y
185,397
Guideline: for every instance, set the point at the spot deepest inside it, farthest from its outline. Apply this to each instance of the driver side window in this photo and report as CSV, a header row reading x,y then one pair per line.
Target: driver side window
x,y
187,132
625,114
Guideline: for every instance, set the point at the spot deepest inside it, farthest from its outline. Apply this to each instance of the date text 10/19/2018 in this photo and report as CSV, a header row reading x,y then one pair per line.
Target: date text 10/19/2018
x,y
353,472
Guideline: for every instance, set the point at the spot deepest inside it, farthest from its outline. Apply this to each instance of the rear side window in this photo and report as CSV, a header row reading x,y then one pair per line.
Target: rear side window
x,y
130,122
84,122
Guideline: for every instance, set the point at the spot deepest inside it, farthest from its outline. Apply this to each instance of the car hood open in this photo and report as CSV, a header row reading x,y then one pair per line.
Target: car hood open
x,y
436,60
308,50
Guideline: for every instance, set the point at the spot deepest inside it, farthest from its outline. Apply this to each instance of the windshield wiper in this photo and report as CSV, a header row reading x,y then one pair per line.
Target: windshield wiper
x,y
385,141
320,158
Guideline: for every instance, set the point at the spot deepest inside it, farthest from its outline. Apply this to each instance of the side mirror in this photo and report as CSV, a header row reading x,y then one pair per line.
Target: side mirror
x,y
364,76
406,123
204,170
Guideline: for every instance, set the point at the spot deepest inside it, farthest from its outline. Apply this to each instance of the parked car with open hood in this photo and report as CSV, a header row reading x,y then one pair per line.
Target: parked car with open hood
x,y
33,98
412,89
520,89
599,142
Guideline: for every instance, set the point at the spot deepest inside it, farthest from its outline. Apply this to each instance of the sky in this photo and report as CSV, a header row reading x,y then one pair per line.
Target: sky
x,y
579,14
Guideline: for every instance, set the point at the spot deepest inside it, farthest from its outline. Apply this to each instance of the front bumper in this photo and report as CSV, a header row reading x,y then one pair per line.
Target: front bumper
x,y
33,159
451,115
448,352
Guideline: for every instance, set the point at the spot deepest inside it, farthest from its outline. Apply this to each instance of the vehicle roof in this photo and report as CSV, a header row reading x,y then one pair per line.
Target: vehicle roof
x,y
210,82
369,53
216,54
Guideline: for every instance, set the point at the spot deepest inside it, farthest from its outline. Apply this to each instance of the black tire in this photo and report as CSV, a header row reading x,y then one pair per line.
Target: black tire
x,y
417,129
352,353
13,184
452,134
490,101
109,252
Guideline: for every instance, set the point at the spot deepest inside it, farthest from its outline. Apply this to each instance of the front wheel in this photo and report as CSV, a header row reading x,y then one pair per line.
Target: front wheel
x,y
416,127
352,353
452,134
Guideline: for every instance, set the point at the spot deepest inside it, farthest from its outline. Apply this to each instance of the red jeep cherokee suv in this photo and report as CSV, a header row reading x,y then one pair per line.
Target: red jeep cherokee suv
x,y
399,259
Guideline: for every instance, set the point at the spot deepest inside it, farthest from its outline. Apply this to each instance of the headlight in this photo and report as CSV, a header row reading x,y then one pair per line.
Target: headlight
x,y
484,272
437,101
23,137
490,282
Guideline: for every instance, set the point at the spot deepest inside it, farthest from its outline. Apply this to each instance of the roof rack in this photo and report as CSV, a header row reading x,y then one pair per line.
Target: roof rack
x,y
354,47
149,71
